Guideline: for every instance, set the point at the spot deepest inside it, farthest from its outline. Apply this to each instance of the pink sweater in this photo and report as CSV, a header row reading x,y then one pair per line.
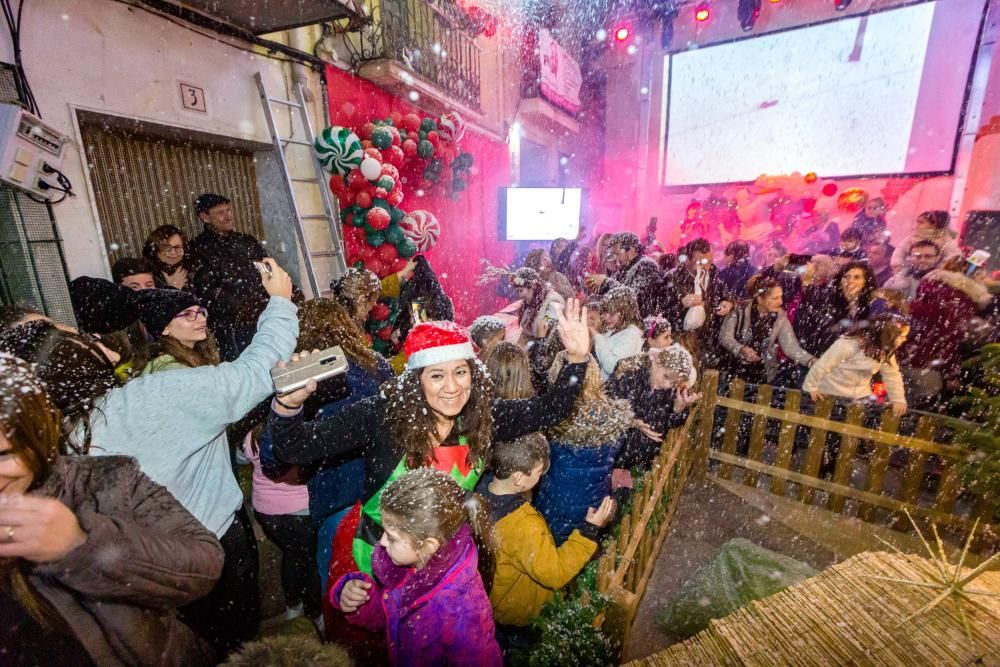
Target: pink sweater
x,y
274,498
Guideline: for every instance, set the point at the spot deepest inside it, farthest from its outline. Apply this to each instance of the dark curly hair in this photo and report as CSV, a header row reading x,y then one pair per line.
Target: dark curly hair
x,y
414,426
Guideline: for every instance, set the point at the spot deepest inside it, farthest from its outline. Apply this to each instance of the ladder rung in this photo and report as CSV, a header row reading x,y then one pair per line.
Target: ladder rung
x,y
287,103
295,141
314,216
307,180
324,253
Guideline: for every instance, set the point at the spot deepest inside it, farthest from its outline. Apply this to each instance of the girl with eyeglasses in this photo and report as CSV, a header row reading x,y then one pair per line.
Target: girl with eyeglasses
x,y
165,251
178,326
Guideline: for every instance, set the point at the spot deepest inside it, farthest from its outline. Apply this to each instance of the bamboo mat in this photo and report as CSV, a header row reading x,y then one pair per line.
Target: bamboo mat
x,y
843,617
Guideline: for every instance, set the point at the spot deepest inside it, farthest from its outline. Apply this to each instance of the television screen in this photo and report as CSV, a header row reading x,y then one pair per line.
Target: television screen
x,y
540,214
876,94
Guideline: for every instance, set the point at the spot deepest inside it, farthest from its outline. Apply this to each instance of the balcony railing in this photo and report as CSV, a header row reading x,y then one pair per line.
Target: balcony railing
x,y
425,36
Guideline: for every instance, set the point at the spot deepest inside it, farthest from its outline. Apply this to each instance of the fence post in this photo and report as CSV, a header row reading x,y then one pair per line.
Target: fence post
x,y
703,436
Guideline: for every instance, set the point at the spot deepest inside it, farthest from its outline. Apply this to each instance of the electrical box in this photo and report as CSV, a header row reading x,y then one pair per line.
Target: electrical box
x,y
31,152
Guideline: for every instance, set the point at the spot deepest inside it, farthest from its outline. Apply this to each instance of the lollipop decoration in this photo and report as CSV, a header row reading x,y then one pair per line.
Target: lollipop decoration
x,y
338,149
422,229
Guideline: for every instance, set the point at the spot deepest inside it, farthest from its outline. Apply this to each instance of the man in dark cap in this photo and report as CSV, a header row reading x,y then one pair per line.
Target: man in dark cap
x,y
635,271
227,282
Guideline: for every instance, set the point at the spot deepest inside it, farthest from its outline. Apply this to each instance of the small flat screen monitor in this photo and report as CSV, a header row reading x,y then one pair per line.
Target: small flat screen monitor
x,y
539,214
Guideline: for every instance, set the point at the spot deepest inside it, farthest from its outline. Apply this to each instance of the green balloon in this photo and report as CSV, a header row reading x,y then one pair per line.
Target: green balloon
x,y
406,248
421,135
428,124
375,239
381,138
393,233
381,203
358,220
396,214
368,228
387,183
425,149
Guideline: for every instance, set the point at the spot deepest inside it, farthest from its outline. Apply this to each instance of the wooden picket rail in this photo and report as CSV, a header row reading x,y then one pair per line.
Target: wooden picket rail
x,y
882,442
626,565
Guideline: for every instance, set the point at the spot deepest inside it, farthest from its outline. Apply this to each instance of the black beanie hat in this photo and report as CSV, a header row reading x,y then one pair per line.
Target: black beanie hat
x,y
207,201
101,306
157,307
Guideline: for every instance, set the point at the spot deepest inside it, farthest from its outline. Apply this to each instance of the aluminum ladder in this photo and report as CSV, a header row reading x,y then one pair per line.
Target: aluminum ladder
x,y
331,213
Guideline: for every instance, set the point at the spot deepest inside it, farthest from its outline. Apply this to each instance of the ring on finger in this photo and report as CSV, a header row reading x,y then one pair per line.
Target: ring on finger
x,y
8,535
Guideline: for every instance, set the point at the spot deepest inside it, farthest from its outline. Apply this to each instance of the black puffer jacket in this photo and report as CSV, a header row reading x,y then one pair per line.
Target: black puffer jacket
x,y
824,316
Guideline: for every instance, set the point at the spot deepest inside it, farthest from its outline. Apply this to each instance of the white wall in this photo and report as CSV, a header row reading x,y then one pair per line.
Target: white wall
x,y
117,59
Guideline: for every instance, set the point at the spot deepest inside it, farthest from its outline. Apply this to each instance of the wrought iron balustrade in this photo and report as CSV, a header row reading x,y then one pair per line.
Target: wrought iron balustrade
x,y
427,37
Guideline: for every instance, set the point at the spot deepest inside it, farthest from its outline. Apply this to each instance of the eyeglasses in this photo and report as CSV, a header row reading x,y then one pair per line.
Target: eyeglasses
x,y
192,315
922,256
171,249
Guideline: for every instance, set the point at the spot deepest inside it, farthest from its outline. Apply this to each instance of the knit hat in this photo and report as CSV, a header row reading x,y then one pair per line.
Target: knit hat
x,y
157,307
101,306
437,343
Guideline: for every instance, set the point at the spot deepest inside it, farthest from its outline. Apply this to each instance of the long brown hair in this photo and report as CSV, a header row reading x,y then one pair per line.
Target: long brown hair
x,y
162,234
324,323
204,353
510,370
354,287
877,337
413,423
427,503
32,427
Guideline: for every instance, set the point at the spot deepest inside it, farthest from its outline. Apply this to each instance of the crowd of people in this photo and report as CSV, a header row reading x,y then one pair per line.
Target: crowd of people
x,y
400,492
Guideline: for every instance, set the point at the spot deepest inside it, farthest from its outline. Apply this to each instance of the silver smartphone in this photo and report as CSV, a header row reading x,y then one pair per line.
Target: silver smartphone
x,y
263,268
318,366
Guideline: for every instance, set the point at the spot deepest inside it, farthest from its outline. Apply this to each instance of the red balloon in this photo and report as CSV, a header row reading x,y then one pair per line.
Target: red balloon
x,y
358,233
364,200
390,170
385,333
380,193
378,218
394,156
377,267
380,311
375,153
346,199
830,189
366,253
395,197
352,260
411,122
387,253
808,204
366,130
409,148
356,180
336,184
396,118
434,138
398,265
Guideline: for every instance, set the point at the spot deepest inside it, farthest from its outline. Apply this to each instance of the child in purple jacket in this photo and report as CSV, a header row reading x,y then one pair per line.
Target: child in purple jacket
x,y
427,594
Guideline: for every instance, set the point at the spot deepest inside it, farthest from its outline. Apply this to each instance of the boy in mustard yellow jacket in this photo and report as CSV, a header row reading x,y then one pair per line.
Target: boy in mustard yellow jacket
x,y
529,566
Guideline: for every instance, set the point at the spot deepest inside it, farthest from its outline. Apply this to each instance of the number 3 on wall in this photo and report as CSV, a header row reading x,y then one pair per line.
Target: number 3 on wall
x,y
193,98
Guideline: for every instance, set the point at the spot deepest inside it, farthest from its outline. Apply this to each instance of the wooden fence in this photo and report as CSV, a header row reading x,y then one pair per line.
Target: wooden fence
x,y
627,563
927,475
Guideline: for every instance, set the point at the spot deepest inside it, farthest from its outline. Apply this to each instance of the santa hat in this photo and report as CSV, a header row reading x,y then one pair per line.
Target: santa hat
x,y
430,343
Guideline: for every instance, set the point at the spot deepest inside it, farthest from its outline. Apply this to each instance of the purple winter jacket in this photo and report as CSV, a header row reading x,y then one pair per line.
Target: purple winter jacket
x,y
438,615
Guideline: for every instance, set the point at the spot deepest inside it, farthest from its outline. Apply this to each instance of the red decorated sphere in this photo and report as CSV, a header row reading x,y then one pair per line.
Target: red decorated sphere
x,y
394,156
385,333
378,218
389,170
434,138
364,200
830,189
366,130
374,152
411,122
387,253
366,253
356,180
346,198
380,311
376,266
409,148
396,139
395,197
381,193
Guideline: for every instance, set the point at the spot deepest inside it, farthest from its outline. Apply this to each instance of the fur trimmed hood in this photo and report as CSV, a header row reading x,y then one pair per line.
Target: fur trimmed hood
x,y
977,292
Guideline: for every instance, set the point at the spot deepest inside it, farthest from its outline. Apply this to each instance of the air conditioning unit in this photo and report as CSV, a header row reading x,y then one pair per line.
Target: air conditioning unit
x,y
31,153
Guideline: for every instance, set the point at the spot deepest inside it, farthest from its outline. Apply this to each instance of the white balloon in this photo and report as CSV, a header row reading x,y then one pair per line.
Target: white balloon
x,y
370,168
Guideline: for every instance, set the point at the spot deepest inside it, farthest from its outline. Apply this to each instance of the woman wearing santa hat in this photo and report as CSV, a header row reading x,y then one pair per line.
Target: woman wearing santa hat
x,y
441,413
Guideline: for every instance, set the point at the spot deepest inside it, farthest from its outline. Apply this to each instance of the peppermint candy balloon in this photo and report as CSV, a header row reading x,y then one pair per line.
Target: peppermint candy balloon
x,y
338,149
422,228
451,127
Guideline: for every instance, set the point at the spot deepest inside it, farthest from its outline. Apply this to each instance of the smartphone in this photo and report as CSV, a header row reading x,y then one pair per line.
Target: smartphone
x,y
418,312
319,366
263,268
799,260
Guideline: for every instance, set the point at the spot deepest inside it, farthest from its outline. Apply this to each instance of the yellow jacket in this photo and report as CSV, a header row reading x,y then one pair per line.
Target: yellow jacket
x,y
529,565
